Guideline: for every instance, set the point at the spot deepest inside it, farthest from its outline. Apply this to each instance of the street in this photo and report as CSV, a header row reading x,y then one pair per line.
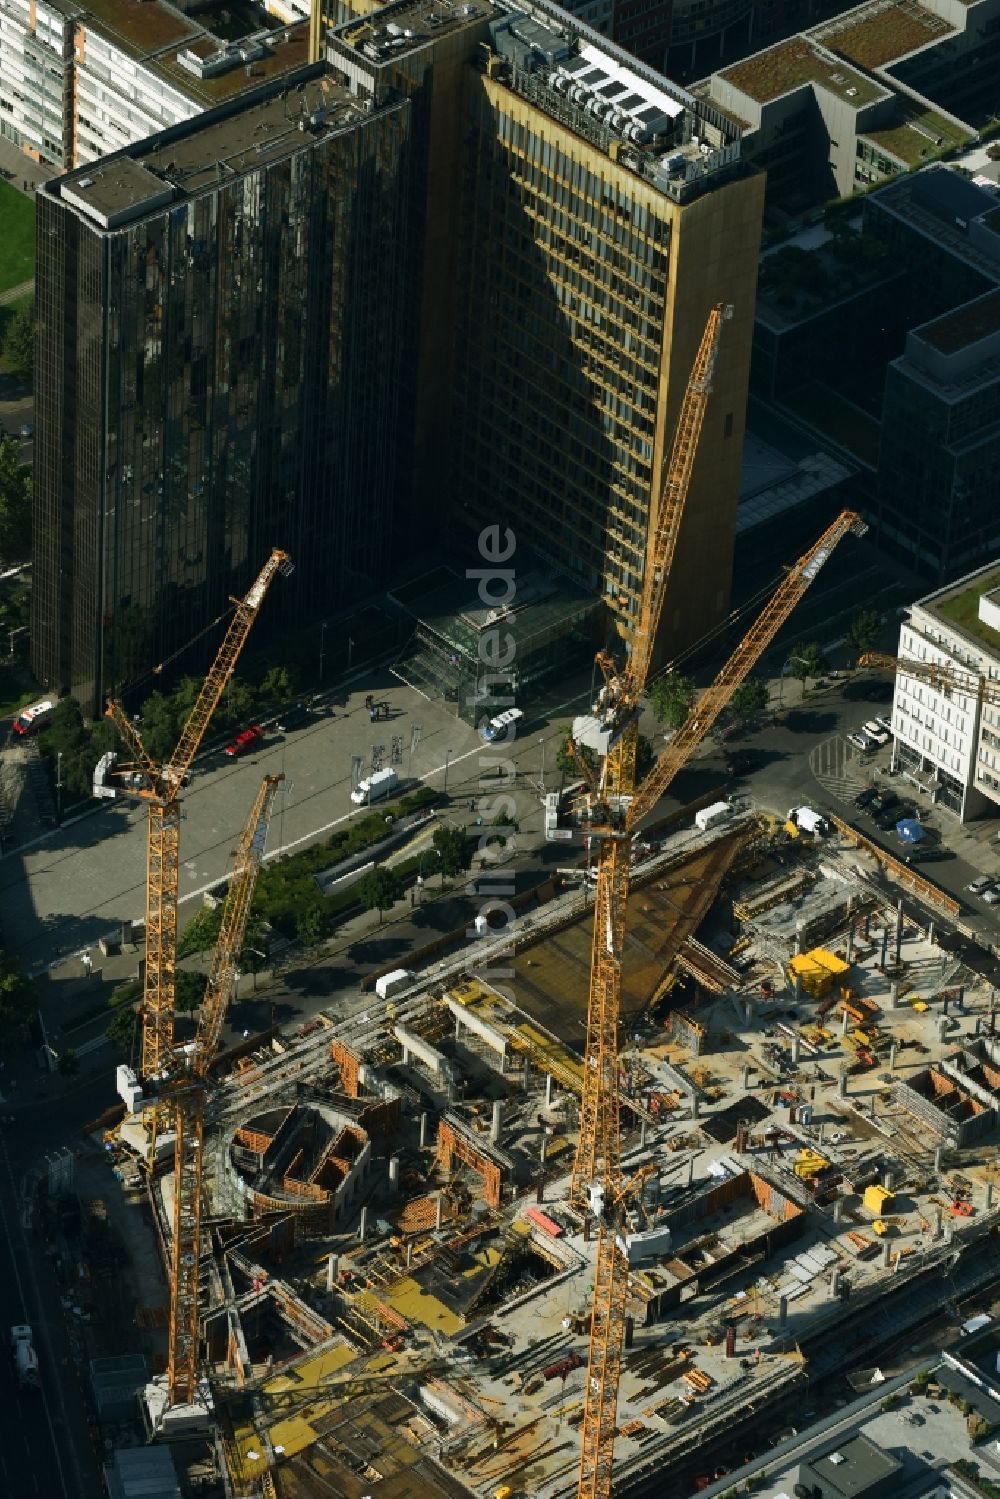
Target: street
x,y
45,1445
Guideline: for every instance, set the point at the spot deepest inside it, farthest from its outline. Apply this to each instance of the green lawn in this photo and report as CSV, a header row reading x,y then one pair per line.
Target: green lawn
x,y
963,609
17,237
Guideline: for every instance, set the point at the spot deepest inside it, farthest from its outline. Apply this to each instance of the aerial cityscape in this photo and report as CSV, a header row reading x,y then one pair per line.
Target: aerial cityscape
x,y
500,749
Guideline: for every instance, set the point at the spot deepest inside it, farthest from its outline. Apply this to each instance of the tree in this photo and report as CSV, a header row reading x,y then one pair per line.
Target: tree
x,y
280,683
69,1063
189,990
313,923
201,931
17,993
379,889
808,661
121,1028
19,341
671,697
452,850
749,698
15,502
862,632
568,763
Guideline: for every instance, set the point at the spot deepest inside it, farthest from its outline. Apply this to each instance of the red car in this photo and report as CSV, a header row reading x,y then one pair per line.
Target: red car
x,y
244,741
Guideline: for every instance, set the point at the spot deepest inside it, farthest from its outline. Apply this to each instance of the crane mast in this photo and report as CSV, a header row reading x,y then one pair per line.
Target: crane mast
x,y
161,783
188,1086
597,1180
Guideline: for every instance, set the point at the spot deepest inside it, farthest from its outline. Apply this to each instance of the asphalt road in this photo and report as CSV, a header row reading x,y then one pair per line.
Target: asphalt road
x,y
45,1446
72,887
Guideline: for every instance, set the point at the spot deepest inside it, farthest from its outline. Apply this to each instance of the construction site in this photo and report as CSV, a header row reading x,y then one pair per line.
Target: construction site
x,y
584,1206
397,1287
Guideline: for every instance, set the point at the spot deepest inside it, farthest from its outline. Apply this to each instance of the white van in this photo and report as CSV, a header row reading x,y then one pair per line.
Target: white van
x,y
375,787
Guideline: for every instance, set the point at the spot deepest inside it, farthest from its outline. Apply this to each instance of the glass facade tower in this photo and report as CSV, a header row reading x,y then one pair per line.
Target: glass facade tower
x,y
219,324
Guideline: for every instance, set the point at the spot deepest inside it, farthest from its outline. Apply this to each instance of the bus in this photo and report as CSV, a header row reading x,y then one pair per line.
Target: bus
x,y
30,720
499,727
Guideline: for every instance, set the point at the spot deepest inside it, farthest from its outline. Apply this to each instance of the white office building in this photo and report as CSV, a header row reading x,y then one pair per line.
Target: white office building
x,y
79,81
948,742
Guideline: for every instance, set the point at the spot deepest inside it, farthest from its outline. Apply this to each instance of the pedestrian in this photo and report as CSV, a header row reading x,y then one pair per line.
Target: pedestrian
x,y
245,1034
472,803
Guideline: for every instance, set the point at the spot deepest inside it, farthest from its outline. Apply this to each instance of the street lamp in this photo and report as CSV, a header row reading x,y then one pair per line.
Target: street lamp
x,y
59,755
322,647
542,745
255,952
447,762
350,651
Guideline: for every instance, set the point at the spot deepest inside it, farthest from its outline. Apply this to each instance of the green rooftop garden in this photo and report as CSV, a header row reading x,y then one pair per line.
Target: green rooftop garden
x,y
882,36
914,140
789,65
962,610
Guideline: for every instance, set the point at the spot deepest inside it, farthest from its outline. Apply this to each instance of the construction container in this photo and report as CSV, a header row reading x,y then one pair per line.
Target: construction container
x,y
878,1199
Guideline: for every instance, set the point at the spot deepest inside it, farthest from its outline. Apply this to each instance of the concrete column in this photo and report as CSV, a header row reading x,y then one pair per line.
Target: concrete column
x,y
409,1255
942,1027
796,1048
888,1177
782,1310
944,1003
885,947
798,942
835,1285
694,1105
458,1029
820,1132
838,1209
642,1131
526,1078
548,1090
394,1171
850,942
894,996
938,1159
438,1209
899,929
886,1253
496,1129
332,1262
748,1011
842,1084
930,932
892,1057
406,1056
979,1027
544,1149
798,988
746,1079
363,1229
690,1171
937,1223
989,1195
845,1021
423,1131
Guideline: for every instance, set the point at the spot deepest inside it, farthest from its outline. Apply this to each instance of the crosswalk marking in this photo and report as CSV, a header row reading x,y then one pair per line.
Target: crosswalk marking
x,y
839,768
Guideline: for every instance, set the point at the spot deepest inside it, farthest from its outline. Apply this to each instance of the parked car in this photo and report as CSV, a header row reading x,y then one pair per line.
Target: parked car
x,y
889,816
923,855
876,731
885,723
27,431
979,884
244,741
867,797
992,895
291,717
883,800
861,741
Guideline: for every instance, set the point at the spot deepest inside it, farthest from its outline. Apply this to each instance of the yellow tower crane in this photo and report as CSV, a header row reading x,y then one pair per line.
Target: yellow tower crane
x,y
159,785
938,674
614,808
186,1089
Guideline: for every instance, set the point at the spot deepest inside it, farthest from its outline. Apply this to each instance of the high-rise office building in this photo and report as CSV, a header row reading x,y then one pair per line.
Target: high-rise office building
x,y
470,294
583,217
218,366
